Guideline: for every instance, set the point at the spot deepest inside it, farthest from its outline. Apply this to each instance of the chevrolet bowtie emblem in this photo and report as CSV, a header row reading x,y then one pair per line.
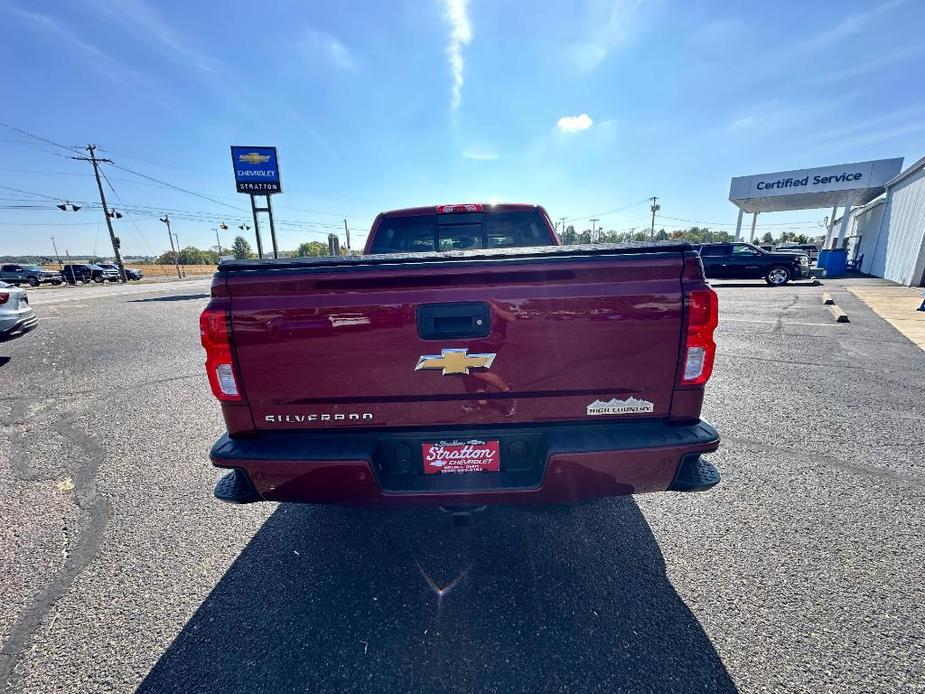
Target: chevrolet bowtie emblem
x,y
254,158
454,361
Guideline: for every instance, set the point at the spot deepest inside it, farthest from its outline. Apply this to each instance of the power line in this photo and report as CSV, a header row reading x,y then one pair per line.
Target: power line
x,y
615,209
132,221
182,190
732,224
29,192
71,150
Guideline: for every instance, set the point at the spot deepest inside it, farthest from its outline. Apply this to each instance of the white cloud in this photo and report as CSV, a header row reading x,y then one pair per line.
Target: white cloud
x,y
456,15
574,124
607,25
481,155
340,55
103,62
744,122
846,27
146,22
719,34
319,46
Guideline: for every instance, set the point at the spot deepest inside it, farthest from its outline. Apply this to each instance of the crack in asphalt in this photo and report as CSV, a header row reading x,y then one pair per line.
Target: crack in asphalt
x,y
84,541
884,474
779,323
80,544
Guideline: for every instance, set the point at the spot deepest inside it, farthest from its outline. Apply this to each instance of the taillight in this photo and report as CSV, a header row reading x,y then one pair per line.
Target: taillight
x,y
214,332
451,209
4,297
699,349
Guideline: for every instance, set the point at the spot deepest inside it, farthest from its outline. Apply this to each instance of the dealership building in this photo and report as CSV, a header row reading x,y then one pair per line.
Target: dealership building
x,y
881,223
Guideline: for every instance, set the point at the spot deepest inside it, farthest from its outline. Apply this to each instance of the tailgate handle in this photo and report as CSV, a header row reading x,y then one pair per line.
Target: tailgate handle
x,y
454,321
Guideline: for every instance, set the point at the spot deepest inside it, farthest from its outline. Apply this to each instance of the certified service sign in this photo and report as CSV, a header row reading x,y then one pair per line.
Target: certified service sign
x,y
256,170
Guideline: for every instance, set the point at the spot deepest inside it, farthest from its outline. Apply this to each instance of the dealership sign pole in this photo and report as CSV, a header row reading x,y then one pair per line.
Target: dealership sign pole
x,y
256,172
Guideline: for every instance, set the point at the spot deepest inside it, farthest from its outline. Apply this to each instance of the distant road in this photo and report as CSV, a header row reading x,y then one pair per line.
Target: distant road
x,y
90,292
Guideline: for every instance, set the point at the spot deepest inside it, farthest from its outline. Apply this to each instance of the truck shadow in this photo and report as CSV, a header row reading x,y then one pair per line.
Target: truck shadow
x,y
331,599
170,297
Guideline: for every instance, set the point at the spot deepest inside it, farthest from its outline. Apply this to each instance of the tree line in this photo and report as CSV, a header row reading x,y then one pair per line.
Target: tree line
x,y
694,234
241,249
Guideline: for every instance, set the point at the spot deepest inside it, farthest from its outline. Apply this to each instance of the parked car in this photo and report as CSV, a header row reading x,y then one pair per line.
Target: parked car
x,y
460,389
74,273
745,261
130,272
809,249
107,273
86,272
16,316
32,275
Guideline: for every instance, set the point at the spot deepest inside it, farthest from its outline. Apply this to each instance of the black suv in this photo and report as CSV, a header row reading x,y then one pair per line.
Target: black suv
x,y
743,261
130,272
85,272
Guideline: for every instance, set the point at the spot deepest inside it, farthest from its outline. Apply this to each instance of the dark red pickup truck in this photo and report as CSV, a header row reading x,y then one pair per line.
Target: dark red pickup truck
x,y
465,358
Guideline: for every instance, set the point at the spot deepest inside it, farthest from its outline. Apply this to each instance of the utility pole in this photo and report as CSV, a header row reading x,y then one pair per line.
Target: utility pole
x,y
223,227
99,184
563,220
57,255
593,222
177,237
655,208
176,252
347,231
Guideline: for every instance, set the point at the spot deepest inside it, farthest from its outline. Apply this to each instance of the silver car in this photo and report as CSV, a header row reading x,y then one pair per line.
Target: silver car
x,y
16,315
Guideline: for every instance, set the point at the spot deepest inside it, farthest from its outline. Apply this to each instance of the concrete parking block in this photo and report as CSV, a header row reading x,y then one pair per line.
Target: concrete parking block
x,y
838,313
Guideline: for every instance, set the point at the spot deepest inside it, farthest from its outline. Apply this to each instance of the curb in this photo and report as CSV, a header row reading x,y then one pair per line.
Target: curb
x,y
827,299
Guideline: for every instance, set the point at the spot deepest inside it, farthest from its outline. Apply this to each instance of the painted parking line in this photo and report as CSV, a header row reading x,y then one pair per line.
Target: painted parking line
x,y
770,322
89,293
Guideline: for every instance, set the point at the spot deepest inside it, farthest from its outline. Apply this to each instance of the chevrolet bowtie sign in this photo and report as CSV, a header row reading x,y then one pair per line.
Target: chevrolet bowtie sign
x,y
256,170
454,361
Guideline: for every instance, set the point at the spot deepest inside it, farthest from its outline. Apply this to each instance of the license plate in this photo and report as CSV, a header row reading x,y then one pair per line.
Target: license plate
x,y
461,456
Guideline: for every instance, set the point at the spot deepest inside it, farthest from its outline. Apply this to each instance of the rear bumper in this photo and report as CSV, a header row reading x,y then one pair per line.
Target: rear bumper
x,y
539,464
18,325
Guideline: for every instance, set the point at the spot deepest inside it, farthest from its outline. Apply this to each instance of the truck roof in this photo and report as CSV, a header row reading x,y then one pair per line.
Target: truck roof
x,y
487,206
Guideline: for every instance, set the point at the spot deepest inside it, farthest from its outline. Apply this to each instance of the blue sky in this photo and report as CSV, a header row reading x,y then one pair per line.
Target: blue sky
x,y
584,107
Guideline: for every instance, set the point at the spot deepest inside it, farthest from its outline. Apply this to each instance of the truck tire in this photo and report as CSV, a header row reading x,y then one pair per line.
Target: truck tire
x,y
777,276
56,282
33,282
98,280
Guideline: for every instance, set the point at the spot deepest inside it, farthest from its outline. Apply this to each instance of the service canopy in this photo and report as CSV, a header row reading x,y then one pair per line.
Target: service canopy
x,y
804,189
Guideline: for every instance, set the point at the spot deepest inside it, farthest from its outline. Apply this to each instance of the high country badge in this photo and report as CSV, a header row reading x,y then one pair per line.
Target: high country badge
x,y
630,405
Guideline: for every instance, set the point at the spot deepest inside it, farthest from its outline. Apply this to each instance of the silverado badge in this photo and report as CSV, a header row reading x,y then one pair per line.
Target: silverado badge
x,y
616,406
454,361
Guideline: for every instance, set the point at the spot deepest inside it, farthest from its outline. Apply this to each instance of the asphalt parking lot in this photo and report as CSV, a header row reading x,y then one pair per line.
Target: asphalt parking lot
x,y
802,571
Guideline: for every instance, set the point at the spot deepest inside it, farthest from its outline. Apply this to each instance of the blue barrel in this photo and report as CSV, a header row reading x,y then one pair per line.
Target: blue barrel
x,y
835,261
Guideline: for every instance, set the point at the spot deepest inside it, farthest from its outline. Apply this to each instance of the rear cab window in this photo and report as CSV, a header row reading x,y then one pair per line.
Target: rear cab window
x,y
460,232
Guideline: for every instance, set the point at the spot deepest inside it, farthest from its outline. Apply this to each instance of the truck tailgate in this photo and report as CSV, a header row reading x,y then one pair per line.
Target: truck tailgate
x,y
560,339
